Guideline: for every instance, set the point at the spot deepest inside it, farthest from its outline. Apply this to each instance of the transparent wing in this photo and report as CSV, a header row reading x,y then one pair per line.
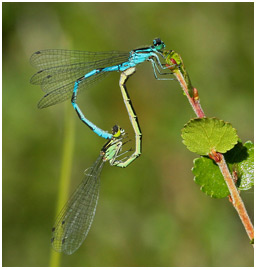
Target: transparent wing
x,y
46,59
64,92
59,69
75,219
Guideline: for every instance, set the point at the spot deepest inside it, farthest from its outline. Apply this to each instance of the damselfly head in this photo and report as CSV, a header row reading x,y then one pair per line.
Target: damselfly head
x,y
112,144
117,131
158,44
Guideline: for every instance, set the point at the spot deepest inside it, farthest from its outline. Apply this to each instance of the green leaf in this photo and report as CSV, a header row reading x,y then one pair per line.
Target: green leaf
x,y
175,62
208,176
240,159
171,54
206,134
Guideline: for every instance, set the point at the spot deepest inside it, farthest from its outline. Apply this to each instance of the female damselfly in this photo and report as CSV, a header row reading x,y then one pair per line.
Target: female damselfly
x,y
75,219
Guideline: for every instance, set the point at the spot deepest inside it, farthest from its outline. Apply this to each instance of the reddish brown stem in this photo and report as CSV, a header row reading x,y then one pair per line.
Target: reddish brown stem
x,y
194,101
236,198
218,158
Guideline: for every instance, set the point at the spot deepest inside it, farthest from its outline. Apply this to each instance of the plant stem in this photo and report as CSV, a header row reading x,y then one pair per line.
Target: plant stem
x,y
175,64
65,171
236,198
194,101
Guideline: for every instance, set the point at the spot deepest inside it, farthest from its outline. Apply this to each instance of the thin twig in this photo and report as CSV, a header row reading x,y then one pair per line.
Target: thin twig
x,y
175,64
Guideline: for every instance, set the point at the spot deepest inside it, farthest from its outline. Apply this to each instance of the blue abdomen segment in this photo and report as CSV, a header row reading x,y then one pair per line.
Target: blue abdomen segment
x,y
80,114
134,59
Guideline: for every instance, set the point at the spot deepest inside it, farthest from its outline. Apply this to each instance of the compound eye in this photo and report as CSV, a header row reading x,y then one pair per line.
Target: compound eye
x,y
158,44
157,41
115,129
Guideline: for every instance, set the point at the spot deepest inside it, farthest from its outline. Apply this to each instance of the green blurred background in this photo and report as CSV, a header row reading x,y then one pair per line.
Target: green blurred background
x,y
151,213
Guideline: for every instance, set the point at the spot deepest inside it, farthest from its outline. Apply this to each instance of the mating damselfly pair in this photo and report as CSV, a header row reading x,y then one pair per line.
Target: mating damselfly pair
x,y
63,74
